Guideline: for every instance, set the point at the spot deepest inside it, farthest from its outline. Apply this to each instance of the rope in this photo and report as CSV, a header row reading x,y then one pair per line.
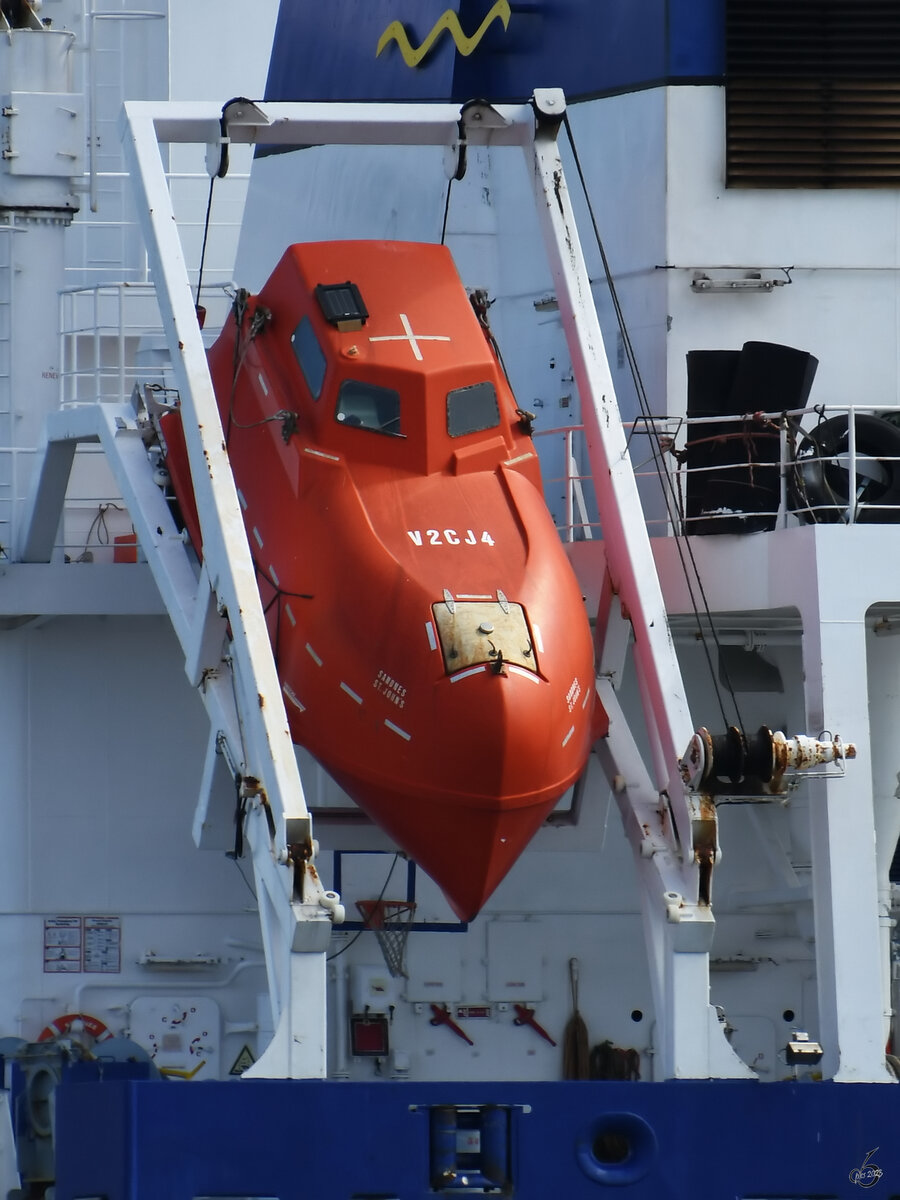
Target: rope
x,y
278,598
205,236
446,211
258,321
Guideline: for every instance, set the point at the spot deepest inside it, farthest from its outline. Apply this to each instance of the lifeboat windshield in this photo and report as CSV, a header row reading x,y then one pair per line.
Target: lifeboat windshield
x,y
368,406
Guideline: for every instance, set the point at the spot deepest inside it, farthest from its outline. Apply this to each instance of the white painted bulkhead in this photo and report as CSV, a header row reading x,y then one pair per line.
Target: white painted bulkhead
x,y
840,246
839,251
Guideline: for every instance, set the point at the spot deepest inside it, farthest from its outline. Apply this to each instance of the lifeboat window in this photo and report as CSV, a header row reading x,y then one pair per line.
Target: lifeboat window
x,y
471,409
310,356
369,407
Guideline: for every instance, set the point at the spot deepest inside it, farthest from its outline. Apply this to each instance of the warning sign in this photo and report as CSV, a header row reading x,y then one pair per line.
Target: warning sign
x,y
244,1060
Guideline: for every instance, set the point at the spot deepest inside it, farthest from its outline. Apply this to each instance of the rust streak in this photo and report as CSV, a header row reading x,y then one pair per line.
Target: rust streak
x,y
557,190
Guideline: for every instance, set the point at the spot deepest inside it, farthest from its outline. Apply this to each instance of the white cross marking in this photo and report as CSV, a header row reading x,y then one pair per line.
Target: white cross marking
x,y
412,338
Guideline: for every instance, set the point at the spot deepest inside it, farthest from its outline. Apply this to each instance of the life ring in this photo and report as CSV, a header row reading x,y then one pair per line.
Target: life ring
x,y
820,490
61,1027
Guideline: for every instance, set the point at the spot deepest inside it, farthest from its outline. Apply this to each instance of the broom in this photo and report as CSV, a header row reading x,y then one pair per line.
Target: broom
x,y
576,1053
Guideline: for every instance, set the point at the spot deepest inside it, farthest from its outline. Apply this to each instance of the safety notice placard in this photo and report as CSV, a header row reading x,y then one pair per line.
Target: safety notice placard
x,y
83,944
62,944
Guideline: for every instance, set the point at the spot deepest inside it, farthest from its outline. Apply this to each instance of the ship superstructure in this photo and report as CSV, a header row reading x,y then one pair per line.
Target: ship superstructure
x,y
731,954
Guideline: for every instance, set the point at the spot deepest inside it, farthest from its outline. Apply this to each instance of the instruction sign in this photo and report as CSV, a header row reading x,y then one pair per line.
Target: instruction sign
x,y
90,945
102,953
62,944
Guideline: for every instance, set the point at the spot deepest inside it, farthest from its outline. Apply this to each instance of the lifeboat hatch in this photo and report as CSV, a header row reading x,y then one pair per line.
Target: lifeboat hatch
x,y
473,632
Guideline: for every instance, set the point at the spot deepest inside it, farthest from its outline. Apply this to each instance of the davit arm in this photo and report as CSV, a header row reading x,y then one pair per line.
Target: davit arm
x,y
669,812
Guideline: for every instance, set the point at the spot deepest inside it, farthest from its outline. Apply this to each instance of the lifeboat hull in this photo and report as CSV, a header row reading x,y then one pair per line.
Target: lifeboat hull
x,y
429,633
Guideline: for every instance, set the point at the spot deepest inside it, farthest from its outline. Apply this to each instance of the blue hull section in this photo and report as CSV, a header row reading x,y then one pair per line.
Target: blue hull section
x,y
127,1139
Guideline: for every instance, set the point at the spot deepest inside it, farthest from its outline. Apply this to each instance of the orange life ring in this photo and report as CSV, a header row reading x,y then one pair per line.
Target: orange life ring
x,y
61,1026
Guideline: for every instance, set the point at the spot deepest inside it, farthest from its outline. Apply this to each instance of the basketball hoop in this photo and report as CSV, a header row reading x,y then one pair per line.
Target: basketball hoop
x,y
390,921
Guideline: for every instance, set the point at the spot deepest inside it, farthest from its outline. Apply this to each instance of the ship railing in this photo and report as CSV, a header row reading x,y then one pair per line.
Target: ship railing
x,y
568,483
111,338
739,473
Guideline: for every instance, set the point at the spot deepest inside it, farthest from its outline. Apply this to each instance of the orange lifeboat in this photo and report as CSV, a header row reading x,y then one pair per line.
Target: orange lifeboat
x,y
429,633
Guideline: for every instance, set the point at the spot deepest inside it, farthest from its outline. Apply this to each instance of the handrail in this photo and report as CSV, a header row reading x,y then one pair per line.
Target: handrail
x,y
820,450
119,319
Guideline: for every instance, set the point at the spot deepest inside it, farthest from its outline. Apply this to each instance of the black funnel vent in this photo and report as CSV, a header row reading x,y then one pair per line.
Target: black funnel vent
x,y
733,482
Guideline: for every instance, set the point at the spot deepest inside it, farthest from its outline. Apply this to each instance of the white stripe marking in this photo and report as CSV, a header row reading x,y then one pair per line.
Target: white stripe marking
x,y
292,696
432,640
313,655
464,674
538,640
321,454
511,462
241,500
522,671
350,692
258,537
568,736
290,615
262,383
472,596
273,576
396,728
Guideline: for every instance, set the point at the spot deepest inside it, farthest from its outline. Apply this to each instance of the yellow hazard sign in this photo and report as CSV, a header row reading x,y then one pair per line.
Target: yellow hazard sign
x,y
244,1060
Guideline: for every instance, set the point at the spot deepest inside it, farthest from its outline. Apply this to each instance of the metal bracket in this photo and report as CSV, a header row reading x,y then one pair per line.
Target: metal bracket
x,y
239,111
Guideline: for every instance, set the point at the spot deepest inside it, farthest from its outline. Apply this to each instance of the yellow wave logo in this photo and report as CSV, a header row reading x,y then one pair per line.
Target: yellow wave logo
x,y
448,21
